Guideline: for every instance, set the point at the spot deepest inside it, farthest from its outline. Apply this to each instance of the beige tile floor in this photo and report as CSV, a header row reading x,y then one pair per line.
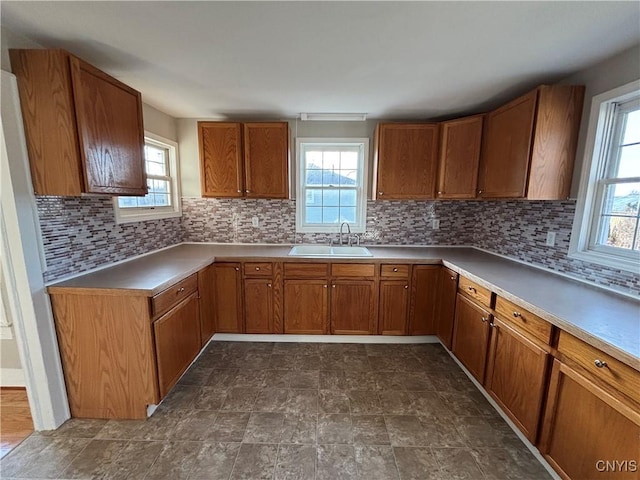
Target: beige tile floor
x,y
296,411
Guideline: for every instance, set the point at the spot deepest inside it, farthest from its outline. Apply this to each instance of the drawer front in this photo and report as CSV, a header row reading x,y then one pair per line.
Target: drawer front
x,y
394,271
306,270
258,269
523,320
475,291
353,270
620,376
174,294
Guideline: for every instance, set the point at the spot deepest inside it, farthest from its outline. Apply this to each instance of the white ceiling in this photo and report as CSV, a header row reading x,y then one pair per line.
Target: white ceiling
x,y
399,60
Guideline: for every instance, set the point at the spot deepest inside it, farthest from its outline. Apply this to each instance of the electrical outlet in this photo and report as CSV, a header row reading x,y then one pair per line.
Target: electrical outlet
x,y
435,224
551,238
255,222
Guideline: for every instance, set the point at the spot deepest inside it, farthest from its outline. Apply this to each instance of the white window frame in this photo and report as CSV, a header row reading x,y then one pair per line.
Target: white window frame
x,y
139,214
361,189
589,204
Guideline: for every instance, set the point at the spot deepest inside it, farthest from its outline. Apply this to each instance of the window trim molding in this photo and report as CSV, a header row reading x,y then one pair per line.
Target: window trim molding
x,y
362,209
595,159
156,213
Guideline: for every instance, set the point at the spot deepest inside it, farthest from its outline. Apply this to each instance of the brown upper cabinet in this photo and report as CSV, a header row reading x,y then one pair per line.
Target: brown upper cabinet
x,y
244,159
460,142
406,161
83,128
529,145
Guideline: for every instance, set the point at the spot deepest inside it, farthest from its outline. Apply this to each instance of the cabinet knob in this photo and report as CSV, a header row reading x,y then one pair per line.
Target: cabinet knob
x,y
484,319
600,363
517,314
479,191
247,191
269,285
406,286
239,191
380,193
395,269
237,269
440,193
180,290
453,278
472,289
324,286
333,286
493,325
258,268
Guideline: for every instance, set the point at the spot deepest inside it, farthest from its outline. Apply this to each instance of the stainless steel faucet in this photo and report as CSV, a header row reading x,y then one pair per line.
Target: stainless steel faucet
x,y
342,242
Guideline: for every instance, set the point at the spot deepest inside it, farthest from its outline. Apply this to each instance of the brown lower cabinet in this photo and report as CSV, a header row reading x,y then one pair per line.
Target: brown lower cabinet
x,y
394,305
227,299
258,305
353,307
424,297
471,336
306,306
446,305
207,314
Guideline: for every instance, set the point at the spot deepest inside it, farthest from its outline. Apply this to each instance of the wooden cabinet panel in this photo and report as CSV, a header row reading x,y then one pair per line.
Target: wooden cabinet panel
x,y
227,303
258,305
258,269
471,336
585,427
206,291
446,305
353,307
164,300
395,271
221,164
392,317
406,161
472,290
353,270
523,320
266,153
460,143
177,335
306,270
516,376
424,298
84,129
306,307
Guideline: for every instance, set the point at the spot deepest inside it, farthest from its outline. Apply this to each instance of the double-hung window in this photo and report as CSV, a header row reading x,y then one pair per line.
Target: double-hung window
x,y
163,197
331,189
607,229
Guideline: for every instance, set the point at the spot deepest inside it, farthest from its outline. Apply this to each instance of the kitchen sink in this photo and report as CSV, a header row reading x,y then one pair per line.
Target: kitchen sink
x,y
329,251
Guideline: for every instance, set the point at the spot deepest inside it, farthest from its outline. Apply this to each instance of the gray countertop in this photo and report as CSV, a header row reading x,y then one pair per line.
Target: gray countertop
x,y
602,318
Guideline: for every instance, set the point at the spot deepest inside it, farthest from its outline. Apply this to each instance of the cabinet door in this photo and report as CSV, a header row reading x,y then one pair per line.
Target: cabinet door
x,y
258,305
471,336
506,149
394,296
110,130
306,306
206,290
177,335
516,376
446,305
221,169
460,157
266,154
586,432
424,298
407,161
227,300
353,307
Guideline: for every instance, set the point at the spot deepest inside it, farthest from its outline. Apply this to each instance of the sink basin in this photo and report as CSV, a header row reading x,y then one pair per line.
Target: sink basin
x,y
327,251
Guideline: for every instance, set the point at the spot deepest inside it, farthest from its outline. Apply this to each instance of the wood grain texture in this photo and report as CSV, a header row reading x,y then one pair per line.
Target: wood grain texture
x,y
395,270
278,298
353,307
517,376
166,299
306,270
206,291
555,141
306,307
258,269
424,299
406,161
108,357
228,298
506,148
446,305
15,418
258,305
46,100
477,292
460,142
266,156
353,270
393,307
221,159
471,336
584,424
177,340
523,320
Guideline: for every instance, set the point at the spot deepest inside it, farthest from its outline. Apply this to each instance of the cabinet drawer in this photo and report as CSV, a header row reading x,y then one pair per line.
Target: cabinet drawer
x,y
172,295
392,270
615,373
258,269
306,270
475,291
523,320
353,270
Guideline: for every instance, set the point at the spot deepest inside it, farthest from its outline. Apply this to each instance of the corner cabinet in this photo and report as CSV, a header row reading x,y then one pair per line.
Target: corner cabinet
x,y
529,145
83,128
249,160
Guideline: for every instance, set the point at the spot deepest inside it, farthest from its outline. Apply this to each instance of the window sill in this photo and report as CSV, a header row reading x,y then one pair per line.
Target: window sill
x,y
141,217
606,260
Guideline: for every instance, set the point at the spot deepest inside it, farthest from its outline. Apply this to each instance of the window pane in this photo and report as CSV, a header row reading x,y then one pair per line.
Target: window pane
x,y
348,177
617,231
127,202
314,197
154,168
621,199
330,177
313,159
331,198
349,160
161,200
637,244
330,215
629,164
632,128
160,186
314,177
331,160
313,215
348,198
348,214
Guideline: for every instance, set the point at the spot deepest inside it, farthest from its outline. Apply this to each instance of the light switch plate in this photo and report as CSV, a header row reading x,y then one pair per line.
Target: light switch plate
x,y
255,222
551,238
435,224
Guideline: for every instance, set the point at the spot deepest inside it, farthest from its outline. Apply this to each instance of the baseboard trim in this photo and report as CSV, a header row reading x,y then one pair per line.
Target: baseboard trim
x,y
12,377
247,337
